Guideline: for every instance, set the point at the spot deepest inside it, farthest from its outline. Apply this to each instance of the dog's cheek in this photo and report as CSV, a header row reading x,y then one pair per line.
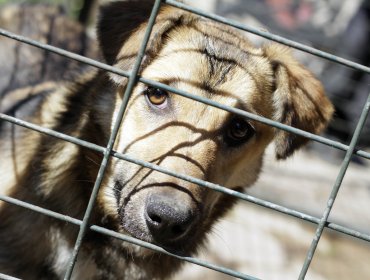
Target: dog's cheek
x,y
243,167
220,206
107,202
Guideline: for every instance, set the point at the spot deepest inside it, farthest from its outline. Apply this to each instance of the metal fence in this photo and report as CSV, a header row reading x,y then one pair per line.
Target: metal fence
x,y
133,78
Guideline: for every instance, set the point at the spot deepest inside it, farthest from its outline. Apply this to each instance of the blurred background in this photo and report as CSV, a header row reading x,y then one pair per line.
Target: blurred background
x,y
252,239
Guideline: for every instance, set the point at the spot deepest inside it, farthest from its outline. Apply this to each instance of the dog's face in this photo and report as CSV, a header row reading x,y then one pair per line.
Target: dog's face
x,y
192,138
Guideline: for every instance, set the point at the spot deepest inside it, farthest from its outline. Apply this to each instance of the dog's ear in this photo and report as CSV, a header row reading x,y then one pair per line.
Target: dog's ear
x,y
299,100
117,21
121,27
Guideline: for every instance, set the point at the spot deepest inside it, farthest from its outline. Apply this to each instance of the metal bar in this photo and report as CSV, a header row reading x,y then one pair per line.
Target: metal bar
x,y
38,209
161,250
235,24
336,187
103,167
107,231
63,52
121,236
51,132
120,72
261,119
271,36
206,184
245,197
7,277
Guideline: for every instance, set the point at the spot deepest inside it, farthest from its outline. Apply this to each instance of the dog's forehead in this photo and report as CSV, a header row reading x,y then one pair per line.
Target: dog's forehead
x,y
211,64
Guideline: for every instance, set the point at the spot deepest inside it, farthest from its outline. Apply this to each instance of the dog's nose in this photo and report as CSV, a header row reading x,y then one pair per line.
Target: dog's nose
x,y
168,218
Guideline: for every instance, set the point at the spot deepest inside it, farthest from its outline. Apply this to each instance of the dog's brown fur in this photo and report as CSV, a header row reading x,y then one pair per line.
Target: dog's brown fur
x,y
187,52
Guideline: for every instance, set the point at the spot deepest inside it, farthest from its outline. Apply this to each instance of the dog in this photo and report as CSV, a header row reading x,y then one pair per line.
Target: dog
x,y
187,52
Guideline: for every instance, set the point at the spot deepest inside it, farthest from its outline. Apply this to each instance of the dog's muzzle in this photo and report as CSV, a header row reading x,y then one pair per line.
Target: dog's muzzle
x,y
169,219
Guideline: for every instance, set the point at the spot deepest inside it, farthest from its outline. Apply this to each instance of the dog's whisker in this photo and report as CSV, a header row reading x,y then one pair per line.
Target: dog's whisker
x,y
92,160
217,234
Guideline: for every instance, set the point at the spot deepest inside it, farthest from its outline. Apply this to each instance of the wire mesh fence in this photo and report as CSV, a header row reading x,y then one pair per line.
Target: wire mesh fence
x,y
107,152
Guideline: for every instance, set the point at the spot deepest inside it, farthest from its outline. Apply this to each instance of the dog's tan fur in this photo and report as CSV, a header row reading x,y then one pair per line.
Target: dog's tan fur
x,y
187,52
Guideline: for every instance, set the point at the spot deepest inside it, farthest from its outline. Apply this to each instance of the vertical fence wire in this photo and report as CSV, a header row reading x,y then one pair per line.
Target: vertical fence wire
x,y
103,66
103,167
342,172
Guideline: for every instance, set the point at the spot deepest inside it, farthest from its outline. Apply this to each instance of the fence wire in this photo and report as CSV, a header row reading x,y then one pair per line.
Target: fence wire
x,y
108,151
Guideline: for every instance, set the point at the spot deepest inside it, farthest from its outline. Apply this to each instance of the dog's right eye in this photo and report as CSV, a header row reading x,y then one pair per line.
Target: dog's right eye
x,y
156,97
238,132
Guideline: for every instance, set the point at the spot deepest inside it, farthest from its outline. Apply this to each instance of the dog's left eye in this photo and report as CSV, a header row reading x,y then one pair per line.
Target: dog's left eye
x,y
238,132
156,96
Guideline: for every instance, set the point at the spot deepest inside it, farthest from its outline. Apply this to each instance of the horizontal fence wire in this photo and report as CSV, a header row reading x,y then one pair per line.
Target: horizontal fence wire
x,y
149,165
120,236
224,190
272,37
114,70
7,277
108,151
